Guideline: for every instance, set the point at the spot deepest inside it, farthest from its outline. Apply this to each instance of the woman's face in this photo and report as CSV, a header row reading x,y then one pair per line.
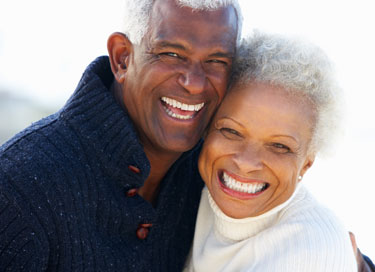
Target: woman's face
x,y
256,148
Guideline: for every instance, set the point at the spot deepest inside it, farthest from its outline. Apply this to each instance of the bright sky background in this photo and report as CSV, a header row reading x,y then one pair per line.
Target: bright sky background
x,y
46,45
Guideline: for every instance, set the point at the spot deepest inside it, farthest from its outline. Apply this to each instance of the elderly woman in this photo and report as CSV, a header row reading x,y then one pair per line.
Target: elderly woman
x,y
254,214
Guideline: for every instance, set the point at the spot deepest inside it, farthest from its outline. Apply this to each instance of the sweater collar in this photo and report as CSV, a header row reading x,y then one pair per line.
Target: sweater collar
x,y
106,129
232,229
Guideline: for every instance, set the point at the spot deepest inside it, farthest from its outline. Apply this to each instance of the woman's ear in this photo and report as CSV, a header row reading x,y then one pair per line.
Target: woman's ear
x,y
307,164
119,49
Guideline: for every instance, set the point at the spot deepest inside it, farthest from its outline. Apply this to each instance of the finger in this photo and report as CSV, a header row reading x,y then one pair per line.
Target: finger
x,y
354,243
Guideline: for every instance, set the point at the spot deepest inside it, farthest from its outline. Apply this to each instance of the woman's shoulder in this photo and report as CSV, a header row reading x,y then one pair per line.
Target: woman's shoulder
x,y
305,213
311,233
304,206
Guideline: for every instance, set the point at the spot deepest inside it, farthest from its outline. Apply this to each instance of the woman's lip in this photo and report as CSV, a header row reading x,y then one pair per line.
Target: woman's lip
x,y
241,179
238,194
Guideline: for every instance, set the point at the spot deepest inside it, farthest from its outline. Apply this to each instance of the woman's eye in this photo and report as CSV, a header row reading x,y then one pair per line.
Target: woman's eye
x,y
230,133
281,148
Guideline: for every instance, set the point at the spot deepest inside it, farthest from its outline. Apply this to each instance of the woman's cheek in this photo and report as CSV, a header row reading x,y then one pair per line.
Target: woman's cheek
x,y
209,154
202,164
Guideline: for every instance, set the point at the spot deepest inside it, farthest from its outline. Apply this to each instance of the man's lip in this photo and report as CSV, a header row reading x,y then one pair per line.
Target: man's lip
x,y
179,114
238,194
181,105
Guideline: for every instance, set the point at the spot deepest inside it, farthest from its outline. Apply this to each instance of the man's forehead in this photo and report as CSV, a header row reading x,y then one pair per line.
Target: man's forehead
x,y
172,23
182,15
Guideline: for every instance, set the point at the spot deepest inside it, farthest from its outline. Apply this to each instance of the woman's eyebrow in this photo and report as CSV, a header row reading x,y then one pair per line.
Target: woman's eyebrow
x,y
231,119
286,136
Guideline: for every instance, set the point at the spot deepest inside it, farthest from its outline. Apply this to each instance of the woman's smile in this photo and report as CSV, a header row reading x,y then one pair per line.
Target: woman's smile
x,y
240,187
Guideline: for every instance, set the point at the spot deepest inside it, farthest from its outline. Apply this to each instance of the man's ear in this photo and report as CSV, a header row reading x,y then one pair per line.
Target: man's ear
x,y
119,50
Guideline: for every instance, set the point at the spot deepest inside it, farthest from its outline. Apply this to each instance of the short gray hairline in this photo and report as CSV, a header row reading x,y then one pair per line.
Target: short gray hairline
x,y
139,13
301,69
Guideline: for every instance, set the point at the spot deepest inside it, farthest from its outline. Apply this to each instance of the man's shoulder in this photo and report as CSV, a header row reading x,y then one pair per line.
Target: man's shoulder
x,y
34,152
28,135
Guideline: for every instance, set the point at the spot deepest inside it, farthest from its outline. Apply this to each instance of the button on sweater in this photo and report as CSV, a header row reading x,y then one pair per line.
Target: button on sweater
x,y
64,184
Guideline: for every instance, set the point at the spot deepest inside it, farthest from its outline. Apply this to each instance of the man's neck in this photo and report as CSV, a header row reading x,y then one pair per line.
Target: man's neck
x,y
160,163
160,160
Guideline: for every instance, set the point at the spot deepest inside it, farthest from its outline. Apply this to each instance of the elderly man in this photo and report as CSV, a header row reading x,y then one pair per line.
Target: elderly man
x,y
109,183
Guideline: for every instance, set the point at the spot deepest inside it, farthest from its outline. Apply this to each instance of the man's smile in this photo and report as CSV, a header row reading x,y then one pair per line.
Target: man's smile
x,y
180,110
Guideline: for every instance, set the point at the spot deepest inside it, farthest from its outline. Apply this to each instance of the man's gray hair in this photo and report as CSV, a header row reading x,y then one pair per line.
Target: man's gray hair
x,y
299,67
138,12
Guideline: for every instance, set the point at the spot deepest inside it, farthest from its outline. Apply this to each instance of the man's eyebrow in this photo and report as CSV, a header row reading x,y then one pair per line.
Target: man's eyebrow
x,y
179,46
166,44
229,55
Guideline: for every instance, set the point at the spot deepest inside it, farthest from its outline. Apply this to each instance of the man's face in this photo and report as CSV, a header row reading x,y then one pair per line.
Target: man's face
x,y
178,75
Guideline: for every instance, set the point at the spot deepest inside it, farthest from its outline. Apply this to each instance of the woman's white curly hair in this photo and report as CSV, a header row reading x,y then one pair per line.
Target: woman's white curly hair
x,y
138,12
299,67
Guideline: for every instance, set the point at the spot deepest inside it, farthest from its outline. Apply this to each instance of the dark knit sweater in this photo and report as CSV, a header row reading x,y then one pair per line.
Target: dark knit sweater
x,y
63,184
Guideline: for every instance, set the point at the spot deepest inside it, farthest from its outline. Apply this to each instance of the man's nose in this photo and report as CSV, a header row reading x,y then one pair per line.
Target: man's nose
x,y
193,78
249,158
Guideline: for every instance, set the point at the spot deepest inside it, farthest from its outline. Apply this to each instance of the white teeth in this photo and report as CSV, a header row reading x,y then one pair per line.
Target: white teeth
x,y
178,116
182,106
242,187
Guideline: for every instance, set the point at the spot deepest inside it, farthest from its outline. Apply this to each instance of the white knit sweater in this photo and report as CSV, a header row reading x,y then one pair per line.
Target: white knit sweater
x,y
298,235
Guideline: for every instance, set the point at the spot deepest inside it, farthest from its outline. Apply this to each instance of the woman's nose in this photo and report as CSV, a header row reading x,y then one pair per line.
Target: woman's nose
x,y
248,158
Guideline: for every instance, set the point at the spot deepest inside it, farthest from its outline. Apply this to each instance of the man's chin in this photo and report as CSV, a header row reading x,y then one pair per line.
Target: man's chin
x,y
179,145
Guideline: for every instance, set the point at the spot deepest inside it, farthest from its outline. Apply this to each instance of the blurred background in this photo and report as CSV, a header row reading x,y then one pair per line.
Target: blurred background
x,y
46,45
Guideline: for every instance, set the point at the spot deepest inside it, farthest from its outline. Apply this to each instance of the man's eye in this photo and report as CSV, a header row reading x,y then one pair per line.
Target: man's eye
x,y
170,54
218,61
230,133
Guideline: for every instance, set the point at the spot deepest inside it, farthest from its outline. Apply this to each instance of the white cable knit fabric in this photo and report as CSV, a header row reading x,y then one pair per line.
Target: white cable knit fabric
x,y
298,235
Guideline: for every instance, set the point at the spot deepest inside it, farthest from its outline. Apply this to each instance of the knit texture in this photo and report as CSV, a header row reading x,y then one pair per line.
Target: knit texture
x,y
298,235
63,184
